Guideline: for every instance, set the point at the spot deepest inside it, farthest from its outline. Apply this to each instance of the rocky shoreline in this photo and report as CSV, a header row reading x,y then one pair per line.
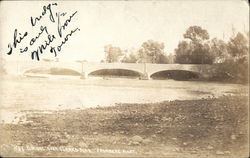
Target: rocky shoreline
x,y
197,128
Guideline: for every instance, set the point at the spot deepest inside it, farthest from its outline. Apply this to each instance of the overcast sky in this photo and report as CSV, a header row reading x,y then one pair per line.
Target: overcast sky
x,y
126,24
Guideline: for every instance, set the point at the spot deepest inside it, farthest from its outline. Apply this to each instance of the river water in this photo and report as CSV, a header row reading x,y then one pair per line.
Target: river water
x,y
61,92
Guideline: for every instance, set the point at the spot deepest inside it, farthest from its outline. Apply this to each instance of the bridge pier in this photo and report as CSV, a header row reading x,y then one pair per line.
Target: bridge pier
x,y
145,76
84,75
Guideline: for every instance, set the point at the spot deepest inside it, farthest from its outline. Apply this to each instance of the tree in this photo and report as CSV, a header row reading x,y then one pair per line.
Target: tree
x,y
152,52
112,54
202,54
234,67
196,51
238,46
219,49
183,53
130,58
170,58
196,34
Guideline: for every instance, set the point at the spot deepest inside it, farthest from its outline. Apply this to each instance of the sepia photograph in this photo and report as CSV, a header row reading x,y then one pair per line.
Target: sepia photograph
x,y
123,78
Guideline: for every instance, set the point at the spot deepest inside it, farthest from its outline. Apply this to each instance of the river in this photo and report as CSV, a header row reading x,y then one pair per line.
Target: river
x,y
61,92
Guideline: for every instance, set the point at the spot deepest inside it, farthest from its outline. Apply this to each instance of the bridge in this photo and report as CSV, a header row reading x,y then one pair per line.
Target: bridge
x,y
85,68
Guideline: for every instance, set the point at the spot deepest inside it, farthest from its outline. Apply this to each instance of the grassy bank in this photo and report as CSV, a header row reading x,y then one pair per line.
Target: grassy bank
x,y
208,127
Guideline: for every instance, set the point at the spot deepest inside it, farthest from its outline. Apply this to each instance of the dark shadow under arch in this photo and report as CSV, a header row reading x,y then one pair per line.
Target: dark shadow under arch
x,y
123,73
180,75
53,71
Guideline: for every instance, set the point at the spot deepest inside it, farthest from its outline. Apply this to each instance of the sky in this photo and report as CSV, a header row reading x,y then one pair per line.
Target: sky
x,y
126,24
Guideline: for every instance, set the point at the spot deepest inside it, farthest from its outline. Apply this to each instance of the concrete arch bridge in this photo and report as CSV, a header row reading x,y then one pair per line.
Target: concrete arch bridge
x,y
146,70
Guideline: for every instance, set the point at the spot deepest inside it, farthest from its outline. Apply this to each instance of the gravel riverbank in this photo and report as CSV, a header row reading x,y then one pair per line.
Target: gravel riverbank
x,y
187,128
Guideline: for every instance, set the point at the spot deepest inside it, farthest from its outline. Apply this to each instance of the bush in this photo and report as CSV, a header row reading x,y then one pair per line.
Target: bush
x,y
232,70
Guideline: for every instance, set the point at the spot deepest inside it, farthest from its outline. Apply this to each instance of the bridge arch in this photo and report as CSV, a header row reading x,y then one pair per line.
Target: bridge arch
x,y
175,74
36,70
52,71
121,72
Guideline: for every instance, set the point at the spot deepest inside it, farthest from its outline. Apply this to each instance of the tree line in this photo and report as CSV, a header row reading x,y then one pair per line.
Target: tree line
x,y
150,52
196,48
